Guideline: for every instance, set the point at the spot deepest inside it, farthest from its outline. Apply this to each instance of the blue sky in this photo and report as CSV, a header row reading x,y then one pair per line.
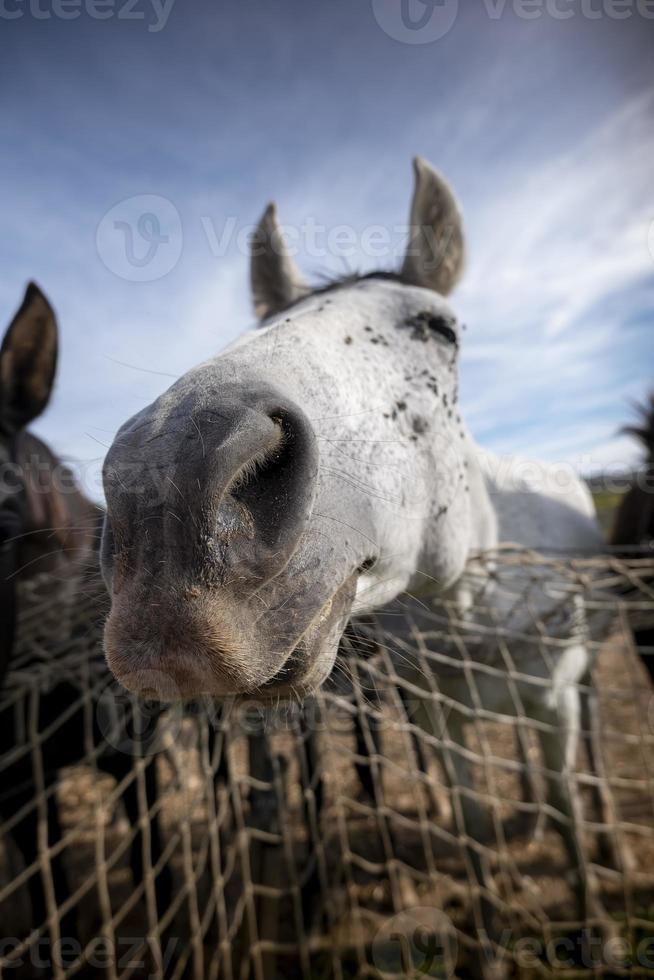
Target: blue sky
x,y
544,126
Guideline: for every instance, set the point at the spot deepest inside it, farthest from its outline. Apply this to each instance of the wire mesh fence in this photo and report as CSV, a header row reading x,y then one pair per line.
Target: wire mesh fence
x,y
471,794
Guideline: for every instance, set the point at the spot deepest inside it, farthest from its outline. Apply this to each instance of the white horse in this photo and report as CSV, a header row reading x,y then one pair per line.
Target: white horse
x,y
319,468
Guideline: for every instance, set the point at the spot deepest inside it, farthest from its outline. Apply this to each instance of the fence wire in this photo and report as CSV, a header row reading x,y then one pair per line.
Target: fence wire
x,y
373,831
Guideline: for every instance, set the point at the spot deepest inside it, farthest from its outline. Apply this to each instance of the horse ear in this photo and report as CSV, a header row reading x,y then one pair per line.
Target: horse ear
x,y
28,361
435,253
276,281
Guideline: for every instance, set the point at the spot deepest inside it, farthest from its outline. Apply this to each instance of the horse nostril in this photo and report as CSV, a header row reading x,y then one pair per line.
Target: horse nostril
x,y
266,503
254,474
268,483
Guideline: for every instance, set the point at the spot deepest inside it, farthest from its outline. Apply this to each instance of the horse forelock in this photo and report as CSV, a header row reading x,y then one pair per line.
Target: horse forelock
x,y
332,284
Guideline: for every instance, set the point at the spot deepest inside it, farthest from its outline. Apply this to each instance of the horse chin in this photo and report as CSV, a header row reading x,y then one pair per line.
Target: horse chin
x,y
311,661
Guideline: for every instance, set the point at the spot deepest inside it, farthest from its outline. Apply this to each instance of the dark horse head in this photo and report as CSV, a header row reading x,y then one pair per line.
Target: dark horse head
x,y
44,519
634,525
633,529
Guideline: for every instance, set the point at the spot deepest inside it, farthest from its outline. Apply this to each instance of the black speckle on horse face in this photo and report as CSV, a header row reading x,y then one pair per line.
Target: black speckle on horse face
x,y
419,424
426,325
348,340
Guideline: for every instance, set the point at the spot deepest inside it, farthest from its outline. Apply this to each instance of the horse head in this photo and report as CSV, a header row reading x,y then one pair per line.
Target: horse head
x,y
315,469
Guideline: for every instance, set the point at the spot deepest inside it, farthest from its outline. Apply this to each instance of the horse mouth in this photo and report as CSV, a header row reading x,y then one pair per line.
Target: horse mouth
x,y
175,673
311,660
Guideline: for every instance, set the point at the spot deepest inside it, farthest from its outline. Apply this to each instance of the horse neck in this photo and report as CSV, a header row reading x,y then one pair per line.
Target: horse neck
x,y
484,535
62,524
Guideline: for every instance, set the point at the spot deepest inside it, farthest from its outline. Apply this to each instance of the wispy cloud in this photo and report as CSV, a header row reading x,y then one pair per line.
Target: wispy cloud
x,y
560,266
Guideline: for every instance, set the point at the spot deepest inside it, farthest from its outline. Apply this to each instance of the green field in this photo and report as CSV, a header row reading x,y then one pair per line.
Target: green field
x,y
606,504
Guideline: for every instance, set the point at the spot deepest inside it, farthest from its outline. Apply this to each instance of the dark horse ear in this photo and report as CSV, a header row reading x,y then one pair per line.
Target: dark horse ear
x,y
28,361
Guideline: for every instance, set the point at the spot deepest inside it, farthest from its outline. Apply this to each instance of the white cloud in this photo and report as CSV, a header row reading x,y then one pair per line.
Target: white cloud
x,y
568,240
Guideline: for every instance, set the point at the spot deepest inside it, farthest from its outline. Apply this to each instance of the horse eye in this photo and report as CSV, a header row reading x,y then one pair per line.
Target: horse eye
x,y
366,565
439,324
